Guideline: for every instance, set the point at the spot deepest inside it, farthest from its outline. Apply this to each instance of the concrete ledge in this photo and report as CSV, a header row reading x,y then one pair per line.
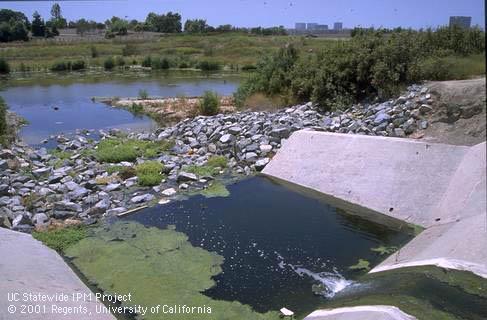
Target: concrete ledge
x,y
362,313
27,266
439,187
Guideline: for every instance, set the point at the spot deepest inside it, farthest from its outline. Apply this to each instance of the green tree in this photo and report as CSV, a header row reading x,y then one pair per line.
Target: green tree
x,y
167,23
196,26
38,25
57,19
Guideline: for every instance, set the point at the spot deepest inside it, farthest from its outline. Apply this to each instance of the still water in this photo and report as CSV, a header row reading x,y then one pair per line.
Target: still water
x,y
276,243
36,101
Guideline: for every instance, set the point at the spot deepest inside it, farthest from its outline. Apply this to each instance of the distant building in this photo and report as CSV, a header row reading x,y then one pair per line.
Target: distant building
x,y
300,26
460,21
312,26
337,26
322,27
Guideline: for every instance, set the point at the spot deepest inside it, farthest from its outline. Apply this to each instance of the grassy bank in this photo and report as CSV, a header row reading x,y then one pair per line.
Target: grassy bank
x,y
228,50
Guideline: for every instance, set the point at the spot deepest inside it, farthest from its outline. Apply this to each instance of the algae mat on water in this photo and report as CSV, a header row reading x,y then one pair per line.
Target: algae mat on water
x,y
158,267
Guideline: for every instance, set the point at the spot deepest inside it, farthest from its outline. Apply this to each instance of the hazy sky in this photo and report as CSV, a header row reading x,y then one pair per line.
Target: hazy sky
x,y
386,13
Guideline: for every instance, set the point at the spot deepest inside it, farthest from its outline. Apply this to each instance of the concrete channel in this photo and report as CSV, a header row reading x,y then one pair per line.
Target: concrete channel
x,y
439,187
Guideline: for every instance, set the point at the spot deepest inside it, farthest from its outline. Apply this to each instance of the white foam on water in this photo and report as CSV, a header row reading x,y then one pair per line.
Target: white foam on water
x,y
333,282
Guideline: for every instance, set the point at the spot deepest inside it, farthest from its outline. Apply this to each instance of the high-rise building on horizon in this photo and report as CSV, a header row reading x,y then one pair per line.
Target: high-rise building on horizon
x,y
312,26
338,26
461,21
300,26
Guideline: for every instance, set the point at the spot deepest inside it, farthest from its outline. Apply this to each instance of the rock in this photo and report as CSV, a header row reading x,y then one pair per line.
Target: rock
x,y
115,211
22,218
424,109
227,138
4,190
67,206
282,133
56,178
112,187
62,215
186,176
101,207
381,118
78,193
40,220
265,148
398,132
3,165
251,156
169,192
41,172
143,198
183,186
261,163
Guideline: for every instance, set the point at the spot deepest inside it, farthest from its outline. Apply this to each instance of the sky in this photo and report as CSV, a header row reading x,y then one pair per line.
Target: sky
x,y
247,13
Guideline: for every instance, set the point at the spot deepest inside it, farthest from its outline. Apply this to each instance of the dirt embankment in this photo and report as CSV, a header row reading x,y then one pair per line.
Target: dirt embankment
x,y
459,112
169,110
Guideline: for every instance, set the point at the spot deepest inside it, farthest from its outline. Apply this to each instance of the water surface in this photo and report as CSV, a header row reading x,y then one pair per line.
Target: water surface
x,y
37,100
276,243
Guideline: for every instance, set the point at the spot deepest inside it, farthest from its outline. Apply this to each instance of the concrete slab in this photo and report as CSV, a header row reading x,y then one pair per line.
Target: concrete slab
x,y
362,313
437,186
29,267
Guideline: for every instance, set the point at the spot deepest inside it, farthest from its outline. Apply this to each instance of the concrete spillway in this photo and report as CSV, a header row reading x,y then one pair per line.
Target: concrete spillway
x,y
36,283
439,187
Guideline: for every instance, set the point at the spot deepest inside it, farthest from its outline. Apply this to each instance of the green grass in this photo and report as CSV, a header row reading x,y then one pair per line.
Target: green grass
x,y
465,67
211,168
362,265
149,173
116,150
61,239
230,50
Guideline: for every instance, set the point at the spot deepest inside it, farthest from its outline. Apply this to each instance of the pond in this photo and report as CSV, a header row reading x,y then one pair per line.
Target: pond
x,y
276,243
63,105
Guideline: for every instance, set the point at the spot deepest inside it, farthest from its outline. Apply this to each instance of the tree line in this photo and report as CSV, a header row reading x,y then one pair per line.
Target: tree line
x,y
15,26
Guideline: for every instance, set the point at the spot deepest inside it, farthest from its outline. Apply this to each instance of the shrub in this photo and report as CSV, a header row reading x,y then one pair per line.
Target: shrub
x,y
249,67
129,50
4,66
61,66
109,63
210,103
149,173
78,65
117,150
136,108
208,66
120,61
94,52
147,62
127,172
143,94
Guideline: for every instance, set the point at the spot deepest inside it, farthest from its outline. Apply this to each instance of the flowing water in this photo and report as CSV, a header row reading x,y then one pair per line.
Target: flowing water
x,y
276,243
64,105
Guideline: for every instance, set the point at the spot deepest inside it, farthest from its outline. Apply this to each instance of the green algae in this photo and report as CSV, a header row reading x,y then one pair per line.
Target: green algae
x,y
362,265
384,250
158,267
215,189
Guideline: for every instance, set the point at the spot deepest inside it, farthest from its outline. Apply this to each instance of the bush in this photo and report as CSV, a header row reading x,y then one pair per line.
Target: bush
x,y
249,67
118,150
143,94
61,66
210,103
78,65
149,173
4,66
94,52
120,61
129,50
147,62
109,63
208,66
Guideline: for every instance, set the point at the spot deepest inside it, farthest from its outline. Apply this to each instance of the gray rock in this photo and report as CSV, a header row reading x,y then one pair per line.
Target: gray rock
x,y
41,172
381,118
112,187
227,138
424,109
67,206
169,192
4,190
281,133
40,219
3,165
235,130
115,211
261,163
143,198
186,176
22,218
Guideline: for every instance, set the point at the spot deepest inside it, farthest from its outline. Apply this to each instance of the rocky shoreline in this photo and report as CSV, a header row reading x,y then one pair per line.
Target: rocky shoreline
x,y
39,188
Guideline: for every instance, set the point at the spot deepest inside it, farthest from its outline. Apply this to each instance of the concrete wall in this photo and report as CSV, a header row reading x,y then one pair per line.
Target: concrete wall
x,y
437,186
